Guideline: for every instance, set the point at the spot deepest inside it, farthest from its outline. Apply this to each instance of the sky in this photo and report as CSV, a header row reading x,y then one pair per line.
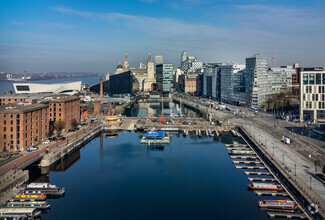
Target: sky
x,y
92,36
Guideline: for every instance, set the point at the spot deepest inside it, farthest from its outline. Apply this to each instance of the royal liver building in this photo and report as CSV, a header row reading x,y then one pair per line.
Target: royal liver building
x,y
143,76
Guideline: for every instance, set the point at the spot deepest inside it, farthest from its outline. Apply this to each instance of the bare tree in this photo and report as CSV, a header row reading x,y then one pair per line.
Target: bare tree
x,y
59,125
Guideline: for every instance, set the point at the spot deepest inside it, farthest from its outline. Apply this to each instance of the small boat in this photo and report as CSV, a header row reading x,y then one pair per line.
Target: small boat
x,y
23,213
29,196
46,188
24,204
277,204
155,137
265,186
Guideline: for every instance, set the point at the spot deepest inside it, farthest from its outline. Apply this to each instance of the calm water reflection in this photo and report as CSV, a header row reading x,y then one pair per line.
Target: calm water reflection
x,y
190,178
155,108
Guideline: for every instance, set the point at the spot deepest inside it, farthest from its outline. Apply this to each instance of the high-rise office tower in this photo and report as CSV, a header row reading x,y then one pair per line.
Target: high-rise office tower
x,y
159,59
164,77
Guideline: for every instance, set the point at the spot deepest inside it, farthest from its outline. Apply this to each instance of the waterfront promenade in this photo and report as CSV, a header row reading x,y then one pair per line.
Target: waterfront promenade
x,y
296,167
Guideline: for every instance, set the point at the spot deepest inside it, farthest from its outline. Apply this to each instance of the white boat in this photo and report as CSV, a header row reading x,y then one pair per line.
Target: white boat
x,y
46,188
19,213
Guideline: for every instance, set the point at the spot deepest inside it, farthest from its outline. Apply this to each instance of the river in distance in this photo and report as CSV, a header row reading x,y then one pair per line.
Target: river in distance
x,y
190,178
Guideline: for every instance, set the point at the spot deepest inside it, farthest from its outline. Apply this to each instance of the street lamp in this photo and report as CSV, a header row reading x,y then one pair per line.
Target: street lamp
x,y
283,159
310,184
273,150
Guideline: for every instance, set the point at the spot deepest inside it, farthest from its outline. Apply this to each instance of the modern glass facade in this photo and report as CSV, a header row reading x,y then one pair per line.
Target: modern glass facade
x,y
164,77
232,84
121,83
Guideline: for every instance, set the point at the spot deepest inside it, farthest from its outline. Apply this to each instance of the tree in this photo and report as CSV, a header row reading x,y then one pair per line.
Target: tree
x,y
51,130
59,125
74,123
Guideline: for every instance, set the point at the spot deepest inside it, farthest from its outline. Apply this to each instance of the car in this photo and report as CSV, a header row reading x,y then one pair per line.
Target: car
x,y
32,148
46,142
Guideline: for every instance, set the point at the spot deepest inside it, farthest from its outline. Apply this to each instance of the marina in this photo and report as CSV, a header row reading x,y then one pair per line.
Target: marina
x,y
131,161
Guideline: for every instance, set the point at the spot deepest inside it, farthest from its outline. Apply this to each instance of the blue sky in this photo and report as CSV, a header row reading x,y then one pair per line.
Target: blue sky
x,y
92,36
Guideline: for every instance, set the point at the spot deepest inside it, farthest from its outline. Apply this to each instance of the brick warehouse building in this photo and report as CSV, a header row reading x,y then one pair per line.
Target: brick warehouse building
x,y
65,109
22,125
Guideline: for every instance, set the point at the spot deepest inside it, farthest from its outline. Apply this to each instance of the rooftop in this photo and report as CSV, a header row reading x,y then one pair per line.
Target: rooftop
x,y
21,107
64,99
25,96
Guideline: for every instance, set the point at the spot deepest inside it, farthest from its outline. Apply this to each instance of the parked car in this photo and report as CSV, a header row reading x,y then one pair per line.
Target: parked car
x,y
32,148
46,142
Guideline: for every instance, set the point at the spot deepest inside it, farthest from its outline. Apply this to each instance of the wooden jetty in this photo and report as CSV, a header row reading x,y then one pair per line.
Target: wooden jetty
x,y
243,157
270,193
236,145
237,148
286,215
262,179
250,167
257,173
247,162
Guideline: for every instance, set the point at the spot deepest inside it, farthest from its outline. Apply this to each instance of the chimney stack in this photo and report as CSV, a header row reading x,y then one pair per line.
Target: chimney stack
x,y
101,90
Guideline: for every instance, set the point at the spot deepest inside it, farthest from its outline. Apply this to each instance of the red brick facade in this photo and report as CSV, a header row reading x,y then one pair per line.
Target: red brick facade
x,y
65,109
22,126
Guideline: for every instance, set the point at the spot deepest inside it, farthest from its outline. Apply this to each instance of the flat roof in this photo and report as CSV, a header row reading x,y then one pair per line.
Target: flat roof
x,y
21,107
64,99
25,96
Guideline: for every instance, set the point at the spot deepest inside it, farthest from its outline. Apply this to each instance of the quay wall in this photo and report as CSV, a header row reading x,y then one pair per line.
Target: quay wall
x,y
62,150
13,178
297,187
